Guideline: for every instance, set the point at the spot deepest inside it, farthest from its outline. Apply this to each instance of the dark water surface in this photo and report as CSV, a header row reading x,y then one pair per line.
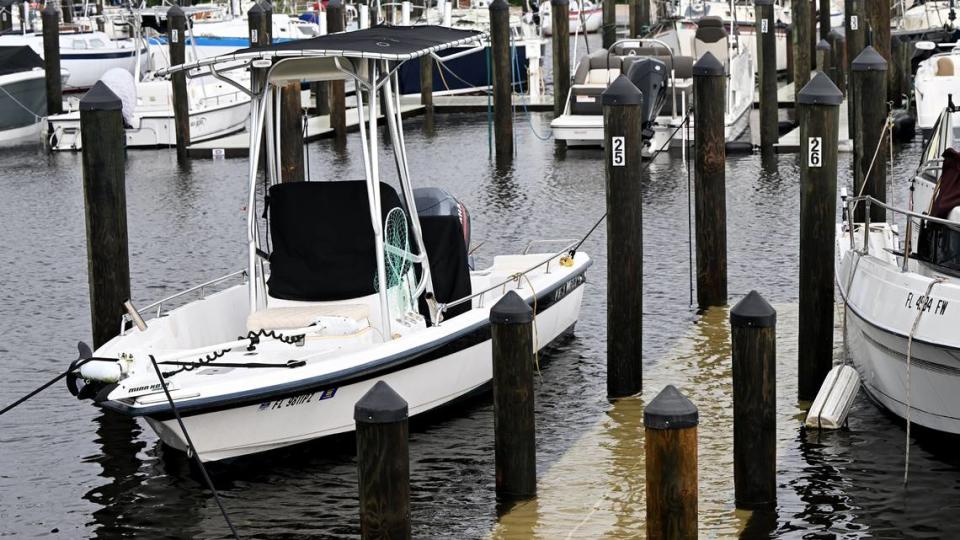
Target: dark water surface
x,y
69,470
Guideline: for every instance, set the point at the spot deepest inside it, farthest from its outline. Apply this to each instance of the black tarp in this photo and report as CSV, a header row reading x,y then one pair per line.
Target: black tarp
x,y
323,246
449,267
376,41
17,59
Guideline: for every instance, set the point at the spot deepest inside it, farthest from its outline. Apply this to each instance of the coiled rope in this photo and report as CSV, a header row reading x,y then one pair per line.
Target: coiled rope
x,y
254,338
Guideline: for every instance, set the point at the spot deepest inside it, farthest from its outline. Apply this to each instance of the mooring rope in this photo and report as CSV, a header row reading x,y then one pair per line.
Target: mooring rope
x,y
193,449
523,99
36,117
913,330
573,251
45,385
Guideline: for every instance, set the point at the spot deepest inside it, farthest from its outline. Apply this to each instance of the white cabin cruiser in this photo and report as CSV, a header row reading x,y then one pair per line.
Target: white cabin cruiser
x,y
23,94
741,18
335,297
937,78
902,312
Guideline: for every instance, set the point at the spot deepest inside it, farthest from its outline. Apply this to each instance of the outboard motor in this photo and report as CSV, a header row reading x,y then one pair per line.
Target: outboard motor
x,y
445,223
432,201
650,76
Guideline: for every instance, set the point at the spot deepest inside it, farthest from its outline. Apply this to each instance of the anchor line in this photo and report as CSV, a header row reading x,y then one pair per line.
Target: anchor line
x,y
254,338
193,449
45,385
573,251
36,117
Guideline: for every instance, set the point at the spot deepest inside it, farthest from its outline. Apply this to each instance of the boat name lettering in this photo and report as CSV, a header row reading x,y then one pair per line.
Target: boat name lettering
x,y
926,303
297,400
566,288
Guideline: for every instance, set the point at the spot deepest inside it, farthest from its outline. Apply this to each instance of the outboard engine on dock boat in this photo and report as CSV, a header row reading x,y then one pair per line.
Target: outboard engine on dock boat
x,y
649,72
432,201
97,376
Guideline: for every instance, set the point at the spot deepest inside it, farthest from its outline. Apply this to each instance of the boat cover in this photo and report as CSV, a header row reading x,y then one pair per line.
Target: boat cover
x,y
121,83
17,59
947,196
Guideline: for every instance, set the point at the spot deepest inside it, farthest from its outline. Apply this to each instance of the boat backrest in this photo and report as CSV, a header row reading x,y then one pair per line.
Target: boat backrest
x,y
597,68
323,246
945,67
682,65
711,37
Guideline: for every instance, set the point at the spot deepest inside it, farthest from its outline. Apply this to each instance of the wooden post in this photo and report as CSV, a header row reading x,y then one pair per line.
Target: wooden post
x,y
502,80
709,89
824,58
426,82
258,28
898,53
338,95
869,73
878,26
823,16
105,205
753,333
790,64
643,17
802,33
633,22
838,48
291,133
511,322
818,113
622,108
609,27
101,23
6,19
67,11
51,59
383,463
670,441
560,12
856,34
767,63
320,91
176,36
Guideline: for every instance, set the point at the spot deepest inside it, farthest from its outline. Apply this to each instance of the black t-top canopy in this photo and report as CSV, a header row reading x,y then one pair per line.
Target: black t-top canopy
x,y
383,42
18,58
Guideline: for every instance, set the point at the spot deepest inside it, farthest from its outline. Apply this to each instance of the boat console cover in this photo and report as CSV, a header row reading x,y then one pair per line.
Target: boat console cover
x,y
323,244
17,59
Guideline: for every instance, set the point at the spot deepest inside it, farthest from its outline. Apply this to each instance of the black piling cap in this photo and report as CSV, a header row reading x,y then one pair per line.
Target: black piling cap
x,y
837,34
753,312
499,5
823,45
708,66
511,309
50,11
763,2
560,2
820,91
621,92
175,11
869,60
100,98
380,405
670,410
337,4
256,9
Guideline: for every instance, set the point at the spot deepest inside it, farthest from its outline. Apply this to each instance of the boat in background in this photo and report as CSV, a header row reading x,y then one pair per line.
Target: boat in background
x,y
23,94
901,291
936,80
585,19
741,19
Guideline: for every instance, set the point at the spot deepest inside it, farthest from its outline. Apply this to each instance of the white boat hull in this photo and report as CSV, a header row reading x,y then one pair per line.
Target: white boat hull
x,y
592,19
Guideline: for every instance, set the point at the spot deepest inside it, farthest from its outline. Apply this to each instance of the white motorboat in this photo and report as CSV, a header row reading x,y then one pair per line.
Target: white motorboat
x,y
347,301
937,78
902,312
87,56
585,17
677,50
216,109
742,17
922,16
23,95
581,123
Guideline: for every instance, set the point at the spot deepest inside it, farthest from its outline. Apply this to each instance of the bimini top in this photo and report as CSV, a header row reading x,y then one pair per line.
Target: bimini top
x,y
381,42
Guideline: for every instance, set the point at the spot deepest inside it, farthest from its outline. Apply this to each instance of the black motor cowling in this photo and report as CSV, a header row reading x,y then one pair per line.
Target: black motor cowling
x,y
445,223
650,76
432,201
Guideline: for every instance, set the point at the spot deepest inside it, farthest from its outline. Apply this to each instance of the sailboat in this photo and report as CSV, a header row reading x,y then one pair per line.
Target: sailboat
x,y
353,284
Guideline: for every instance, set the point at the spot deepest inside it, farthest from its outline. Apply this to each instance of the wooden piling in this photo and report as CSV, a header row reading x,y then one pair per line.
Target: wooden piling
x,y
767,62
609,28
825,58
823,18
502,80
176,37
291,133
511,322
321,97
105,208
51,59
819,109
670,445
622,108
642,17
878,25
257,25
338,94
383,463
6,19
869,73
426,82
753,333
900,53
67,10
790,64
560,12
840,64
709,89
855,28
802,33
